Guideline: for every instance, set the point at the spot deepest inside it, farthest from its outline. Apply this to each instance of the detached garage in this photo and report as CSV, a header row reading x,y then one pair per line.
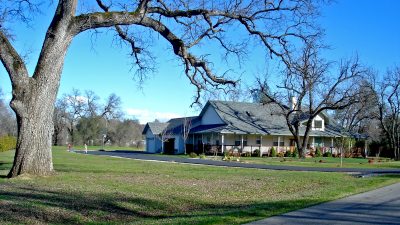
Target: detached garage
x,y
153,131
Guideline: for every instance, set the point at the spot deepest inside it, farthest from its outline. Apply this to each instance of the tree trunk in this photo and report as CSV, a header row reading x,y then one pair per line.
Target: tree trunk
x,y
35,129
34,98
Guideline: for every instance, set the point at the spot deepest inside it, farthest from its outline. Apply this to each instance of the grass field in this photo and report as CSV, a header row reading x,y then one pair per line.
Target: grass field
x,y
324,162
311,162
107,148
89,189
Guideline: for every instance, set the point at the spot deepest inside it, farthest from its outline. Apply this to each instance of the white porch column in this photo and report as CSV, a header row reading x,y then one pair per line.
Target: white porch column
x,y
313,142
279,143
365,148
202,142
350,145
241,142
222,143
260,145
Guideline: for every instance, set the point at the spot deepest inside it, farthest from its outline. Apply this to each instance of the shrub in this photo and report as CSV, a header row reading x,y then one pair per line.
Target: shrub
x,y
202,156
288,153
280,154
272,152
327,154
228,153
256,153
193,155
7,143
318,152
295,153
246,154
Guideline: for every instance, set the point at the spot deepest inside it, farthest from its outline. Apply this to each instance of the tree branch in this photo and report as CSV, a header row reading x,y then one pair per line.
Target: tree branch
x,y
11,60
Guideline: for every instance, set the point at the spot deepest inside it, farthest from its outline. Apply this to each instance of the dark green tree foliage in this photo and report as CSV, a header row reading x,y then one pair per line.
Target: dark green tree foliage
x,y
90,129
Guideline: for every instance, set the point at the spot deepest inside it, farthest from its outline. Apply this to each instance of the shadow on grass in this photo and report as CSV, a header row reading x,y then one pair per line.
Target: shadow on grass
x,y
4,168
37,205
34,205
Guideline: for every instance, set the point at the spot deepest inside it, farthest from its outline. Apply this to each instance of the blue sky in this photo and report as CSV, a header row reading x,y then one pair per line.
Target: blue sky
x,y
368,28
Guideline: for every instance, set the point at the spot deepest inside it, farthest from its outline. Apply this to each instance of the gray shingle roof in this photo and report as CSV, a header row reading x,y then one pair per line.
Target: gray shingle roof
x,y
173,126
250,118
155,127
242,118
256,118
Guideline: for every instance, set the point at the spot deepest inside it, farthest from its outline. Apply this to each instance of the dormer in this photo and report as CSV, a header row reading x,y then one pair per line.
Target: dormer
x,y
318,123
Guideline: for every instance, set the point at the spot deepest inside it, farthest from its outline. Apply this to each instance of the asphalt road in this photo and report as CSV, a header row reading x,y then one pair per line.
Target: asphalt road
x,y
380,206
166,158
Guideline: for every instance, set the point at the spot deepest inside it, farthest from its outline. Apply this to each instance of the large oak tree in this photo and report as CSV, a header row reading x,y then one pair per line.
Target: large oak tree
x,y
184,24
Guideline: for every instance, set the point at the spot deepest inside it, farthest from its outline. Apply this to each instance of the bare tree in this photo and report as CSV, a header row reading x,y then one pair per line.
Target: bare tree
x,y
75,106
357,117
112,108
92,105
186,126
389,109
86,111
184,25
60,121
309,81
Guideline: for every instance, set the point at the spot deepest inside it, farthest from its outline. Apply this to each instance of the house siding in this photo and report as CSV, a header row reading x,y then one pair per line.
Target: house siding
x,y
210,116
153,143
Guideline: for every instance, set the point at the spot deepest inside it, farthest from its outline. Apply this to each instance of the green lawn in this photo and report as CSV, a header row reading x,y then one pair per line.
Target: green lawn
x,y
324,162
107,148
89,189
310,162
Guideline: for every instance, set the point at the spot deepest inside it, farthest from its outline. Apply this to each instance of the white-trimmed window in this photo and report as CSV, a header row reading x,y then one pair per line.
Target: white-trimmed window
x,y
281,141
238,140
258,140
318,124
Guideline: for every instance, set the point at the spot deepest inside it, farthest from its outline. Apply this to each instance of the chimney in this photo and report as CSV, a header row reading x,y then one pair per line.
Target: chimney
x,y
294,103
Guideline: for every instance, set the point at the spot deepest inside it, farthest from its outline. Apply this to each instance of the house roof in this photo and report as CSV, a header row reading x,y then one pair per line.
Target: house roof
x,y
242,118
176,125
173,126
254,118
155,127
250,118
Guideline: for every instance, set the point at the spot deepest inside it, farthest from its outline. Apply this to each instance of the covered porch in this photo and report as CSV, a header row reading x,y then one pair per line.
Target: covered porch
x,y
219,143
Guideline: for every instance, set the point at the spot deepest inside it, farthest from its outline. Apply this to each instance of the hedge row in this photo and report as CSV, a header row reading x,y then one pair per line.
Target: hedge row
x,y
7,143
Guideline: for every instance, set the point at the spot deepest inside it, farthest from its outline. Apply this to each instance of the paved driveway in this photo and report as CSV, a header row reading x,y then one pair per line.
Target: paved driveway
x,y
381,206
166,158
